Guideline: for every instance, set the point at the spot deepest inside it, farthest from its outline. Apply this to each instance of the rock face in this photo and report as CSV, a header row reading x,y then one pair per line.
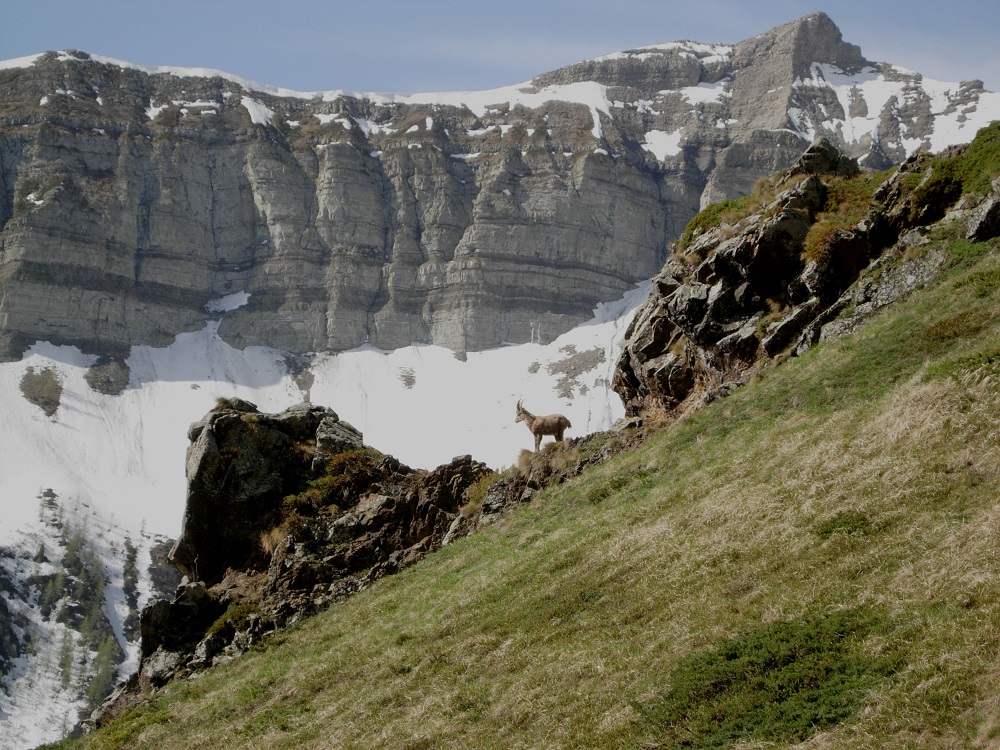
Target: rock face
x,y
285,514
137,204
744,293
240,465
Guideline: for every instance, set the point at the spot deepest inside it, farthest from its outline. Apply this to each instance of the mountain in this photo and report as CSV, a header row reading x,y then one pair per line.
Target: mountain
x,y
803,557
417,263
131,198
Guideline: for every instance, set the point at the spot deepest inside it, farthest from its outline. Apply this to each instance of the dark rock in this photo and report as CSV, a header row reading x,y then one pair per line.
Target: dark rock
x,y
985,222
697,339
824,158
179,623
240,466
780,335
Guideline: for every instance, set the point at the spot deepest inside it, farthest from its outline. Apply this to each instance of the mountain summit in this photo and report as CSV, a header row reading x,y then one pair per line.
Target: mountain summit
x,y
134,199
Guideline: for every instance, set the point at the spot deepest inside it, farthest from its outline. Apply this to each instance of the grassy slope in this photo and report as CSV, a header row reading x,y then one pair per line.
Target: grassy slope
x,y
861,477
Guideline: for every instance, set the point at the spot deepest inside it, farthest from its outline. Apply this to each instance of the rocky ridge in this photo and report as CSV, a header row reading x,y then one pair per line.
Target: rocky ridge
x,y
772,283
139,203
285,514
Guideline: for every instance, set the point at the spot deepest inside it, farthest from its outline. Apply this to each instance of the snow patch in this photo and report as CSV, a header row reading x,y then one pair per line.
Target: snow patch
x,y
259,113
663,144
704,93
227,303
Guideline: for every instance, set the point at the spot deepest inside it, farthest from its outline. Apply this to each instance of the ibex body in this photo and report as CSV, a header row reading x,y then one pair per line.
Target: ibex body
x,y
551,424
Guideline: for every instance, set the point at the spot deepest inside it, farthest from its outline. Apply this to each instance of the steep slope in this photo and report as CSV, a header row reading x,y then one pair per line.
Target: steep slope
x,y
130,198
109,442
807,562
73,583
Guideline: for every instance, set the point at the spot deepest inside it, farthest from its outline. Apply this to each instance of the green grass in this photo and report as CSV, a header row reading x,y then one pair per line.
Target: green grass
x,y
782,682
847,203
811,562
722,212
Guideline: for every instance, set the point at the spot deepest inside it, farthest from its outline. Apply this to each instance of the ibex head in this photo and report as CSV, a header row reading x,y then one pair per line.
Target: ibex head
x,y
521,413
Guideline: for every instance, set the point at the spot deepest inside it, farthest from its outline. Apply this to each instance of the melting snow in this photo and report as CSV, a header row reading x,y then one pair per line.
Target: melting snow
x,y
663,144
229,302
703,93
868,93
259,114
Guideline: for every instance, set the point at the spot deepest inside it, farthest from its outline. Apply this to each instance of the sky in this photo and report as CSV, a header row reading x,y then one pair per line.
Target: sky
x,y
417,46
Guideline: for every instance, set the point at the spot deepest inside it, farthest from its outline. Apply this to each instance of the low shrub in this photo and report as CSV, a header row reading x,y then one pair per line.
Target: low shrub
x,y
781,683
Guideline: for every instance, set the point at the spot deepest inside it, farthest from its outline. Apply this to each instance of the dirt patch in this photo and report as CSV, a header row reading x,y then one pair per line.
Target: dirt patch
x,y
108,376
43,388
572,367
408,377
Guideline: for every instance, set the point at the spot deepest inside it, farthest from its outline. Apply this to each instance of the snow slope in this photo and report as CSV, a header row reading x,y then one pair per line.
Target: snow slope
x,y
45,692
124,455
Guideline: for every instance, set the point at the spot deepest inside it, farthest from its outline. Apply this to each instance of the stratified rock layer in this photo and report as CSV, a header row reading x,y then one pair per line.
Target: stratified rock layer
x,y
132,201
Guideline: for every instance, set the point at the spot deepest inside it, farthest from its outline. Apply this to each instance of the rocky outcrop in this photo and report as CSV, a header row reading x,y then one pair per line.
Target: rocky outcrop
x,y
285,514
136,204
240,465
742,294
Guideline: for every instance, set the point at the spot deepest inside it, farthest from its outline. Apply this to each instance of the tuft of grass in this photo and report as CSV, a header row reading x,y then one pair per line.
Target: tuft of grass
x,y
344,477
234,618
980,164
851,522
847,203
476,494
724,212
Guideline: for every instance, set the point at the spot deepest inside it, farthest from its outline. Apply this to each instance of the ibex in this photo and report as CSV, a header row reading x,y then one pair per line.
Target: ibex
x,y
553,424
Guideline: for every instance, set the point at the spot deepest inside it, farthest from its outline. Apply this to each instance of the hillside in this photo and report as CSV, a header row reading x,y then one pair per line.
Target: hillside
x,y
809,561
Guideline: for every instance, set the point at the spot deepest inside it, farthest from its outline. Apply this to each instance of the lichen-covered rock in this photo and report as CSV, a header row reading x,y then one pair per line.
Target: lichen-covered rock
x,y
240,465
985,222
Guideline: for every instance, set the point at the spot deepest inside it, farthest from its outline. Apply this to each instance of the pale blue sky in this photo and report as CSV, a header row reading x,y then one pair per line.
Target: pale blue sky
x,y
409,46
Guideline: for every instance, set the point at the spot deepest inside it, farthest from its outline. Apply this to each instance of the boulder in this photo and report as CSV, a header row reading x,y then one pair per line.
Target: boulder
x,y
240,466
985,221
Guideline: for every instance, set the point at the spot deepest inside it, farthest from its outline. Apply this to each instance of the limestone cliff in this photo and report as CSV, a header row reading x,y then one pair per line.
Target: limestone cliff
x,y
133,200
